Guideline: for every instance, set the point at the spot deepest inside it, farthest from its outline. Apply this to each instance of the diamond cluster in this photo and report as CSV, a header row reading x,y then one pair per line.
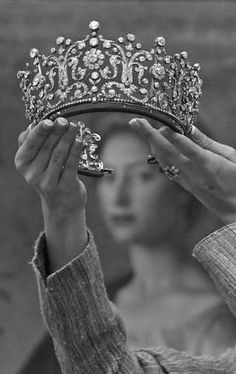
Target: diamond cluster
x,y
98,70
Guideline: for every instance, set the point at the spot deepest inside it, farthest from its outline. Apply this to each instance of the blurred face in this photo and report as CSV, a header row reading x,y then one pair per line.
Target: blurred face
x,y
138,202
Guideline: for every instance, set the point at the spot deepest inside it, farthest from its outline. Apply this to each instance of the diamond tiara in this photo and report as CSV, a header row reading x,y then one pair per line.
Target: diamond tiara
x,y
98,74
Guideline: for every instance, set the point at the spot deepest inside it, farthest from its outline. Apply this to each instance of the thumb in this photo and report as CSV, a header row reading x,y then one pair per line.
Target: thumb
x,y
211,145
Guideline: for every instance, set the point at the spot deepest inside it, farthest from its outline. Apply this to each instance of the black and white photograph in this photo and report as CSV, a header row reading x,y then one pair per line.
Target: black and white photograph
x,y
117,187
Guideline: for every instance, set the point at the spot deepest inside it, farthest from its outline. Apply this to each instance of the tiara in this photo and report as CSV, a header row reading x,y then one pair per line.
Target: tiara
x,y
95,74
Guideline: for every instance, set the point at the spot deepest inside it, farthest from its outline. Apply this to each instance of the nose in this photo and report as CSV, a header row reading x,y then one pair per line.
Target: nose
x,y
122,193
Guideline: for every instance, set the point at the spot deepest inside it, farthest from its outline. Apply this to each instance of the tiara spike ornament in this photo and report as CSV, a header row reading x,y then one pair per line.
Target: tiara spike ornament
x,y
95,74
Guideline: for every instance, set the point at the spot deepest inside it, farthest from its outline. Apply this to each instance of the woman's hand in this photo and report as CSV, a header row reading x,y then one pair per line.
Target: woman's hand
x,y
48,158
206,168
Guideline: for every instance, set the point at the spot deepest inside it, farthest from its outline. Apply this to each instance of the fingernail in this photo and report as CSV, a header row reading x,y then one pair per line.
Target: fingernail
x,y
134,122
73,125
47,124
62,121
165,131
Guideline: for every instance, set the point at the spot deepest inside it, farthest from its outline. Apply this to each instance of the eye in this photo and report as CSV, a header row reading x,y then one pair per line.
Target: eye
x,y
108,179
143,176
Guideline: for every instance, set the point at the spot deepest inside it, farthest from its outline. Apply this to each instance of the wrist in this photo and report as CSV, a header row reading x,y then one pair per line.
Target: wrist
x,y
66,234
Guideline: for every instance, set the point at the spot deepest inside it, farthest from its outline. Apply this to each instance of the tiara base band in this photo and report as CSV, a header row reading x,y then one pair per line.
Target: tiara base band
x,y
114,106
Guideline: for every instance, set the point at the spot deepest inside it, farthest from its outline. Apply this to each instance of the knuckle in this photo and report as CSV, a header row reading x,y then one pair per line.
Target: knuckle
x,y
47,186
19,164
58,157
31,179
206,142
46,147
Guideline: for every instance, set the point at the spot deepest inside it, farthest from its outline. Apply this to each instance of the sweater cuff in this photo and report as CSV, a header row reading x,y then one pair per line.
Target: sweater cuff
x,y
217,254
40,260
222,241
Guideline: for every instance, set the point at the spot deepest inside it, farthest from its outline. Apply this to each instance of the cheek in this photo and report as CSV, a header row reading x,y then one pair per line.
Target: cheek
x,y
104,197
155,202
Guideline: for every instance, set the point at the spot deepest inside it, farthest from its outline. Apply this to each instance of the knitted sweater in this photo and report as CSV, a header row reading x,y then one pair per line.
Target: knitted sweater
x,y
88,332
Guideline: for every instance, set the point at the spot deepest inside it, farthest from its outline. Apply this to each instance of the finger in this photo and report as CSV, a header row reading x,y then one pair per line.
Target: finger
x,y
42,158
207,143
60,153
196,154
161,148
70,168
21,138
33,140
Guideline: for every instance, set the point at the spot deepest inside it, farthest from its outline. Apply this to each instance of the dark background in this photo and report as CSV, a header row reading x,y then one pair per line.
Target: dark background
x,y
207,30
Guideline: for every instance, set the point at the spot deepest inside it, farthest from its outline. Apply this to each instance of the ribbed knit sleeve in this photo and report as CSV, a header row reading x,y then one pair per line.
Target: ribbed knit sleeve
x,y
217,254
88,333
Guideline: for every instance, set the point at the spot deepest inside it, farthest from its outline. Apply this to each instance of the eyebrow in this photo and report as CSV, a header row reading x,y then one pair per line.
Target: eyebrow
x,y
133,164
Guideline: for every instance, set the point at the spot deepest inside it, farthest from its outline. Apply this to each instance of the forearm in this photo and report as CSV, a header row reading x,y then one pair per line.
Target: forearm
x,y
66,235
88,333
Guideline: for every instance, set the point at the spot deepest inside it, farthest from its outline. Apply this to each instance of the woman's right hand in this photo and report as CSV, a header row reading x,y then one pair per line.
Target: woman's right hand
x,y
48,157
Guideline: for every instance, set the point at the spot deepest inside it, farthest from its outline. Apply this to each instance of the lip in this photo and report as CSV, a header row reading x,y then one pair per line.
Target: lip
x,y
121,219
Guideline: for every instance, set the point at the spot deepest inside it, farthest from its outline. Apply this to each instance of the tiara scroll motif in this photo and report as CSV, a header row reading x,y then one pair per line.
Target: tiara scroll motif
x,y
98,74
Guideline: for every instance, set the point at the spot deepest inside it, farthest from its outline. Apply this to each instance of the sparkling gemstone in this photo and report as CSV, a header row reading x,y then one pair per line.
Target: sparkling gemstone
x,y
94,99
145,81
94,88
138,46
114,50
93,42
94,75
156,85
184,54
129,47
142,58
81,45
35,80
167,59
143,91
68,41
164,104
106,44
60,40
196,66
34,52
160,41
130,37
53,50
128,54
94,25
121,40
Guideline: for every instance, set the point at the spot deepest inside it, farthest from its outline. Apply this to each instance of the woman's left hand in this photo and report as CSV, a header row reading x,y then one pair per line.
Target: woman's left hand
x,y
202,166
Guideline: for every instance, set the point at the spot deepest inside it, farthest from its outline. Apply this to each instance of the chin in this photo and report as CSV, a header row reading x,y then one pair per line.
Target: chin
x,y
123,235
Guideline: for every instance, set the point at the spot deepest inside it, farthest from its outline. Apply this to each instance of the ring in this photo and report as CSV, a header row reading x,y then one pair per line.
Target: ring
x,y
171,172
